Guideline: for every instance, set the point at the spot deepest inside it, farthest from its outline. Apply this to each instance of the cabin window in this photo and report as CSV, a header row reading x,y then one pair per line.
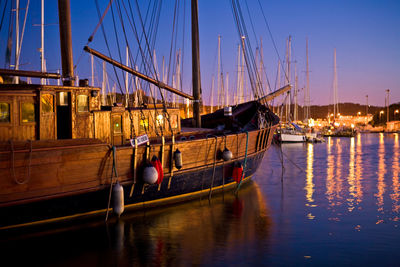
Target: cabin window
x,y
144,124
160,120
174,121
83,103
62,98
4,112
27,112
47,103
116,122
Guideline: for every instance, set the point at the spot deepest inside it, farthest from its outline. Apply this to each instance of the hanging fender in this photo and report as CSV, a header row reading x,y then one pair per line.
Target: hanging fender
x,y
237,172
157,164
178,159
150,174
226,154
118,197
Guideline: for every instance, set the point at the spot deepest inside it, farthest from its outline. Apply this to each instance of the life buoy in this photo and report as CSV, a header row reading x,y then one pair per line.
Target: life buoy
x,y
237,172
157,164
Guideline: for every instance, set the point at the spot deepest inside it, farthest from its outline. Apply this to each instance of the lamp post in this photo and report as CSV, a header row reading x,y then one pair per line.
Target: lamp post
x,y
395,112
380,114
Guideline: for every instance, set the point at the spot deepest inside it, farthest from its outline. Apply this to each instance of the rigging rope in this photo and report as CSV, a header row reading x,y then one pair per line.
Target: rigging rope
x,y
3,14
272,38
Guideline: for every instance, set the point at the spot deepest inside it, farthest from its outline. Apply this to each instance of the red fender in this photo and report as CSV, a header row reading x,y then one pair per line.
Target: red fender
x,y
237,173
157,164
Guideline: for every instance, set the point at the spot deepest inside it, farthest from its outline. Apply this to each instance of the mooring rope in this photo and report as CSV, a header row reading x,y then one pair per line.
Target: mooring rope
x,y
113,171
215,163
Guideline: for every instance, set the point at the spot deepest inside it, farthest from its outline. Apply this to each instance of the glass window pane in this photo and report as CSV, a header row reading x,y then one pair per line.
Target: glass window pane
x,y
174,121
160,120
83,103
116,122
4,112
27,112
47,103
144,124
62,99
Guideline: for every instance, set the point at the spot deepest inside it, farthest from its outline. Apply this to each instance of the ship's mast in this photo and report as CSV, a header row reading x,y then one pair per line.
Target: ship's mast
x,y
307,94
335,100
64,16
295,91
237,100
16,78
227,90
42,68
196,65
219,88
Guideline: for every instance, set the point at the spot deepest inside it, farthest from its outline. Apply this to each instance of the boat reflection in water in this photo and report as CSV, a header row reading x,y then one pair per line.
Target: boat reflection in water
x,y
196,233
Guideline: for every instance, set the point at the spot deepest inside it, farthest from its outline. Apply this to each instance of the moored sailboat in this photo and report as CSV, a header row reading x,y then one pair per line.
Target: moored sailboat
x,y
64,156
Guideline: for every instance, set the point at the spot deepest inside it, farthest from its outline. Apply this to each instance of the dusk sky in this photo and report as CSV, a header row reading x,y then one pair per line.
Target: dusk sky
x,y
365,33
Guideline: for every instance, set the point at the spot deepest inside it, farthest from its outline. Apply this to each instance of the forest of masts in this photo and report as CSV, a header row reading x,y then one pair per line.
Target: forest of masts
x,y
221,94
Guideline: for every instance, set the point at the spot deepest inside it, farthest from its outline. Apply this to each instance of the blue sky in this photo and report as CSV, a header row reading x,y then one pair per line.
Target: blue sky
x,y
366,35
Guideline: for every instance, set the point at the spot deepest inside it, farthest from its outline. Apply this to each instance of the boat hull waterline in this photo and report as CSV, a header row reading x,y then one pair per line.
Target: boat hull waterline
x,y
74,181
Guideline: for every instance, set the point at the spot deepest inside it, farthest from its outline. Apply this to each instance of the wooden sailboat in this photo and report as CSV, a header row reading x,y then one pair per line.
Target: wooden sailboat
x,y
65,156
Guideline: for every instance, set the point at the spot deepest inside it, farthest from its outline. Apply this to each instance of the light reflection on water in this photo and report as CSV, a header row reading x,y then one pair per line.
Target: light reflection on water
x,y
335,203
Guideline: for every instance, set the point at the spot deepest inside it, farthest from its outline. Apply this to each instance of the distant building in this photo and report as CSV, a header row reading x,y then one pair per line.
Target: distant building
x,y
393,126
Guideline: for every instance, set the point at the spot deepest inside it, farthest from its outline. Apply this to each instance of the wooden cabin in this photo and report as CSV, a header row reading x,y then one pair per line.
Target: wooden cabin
x,y
49,112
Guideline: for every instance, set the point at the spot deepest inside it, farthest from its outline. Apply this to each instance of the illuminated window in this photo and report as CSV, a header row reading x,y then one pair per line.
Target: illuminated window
x,y
62,99
144,124
160,120
47,103
82,103
116,122
4,112
174,121
27,112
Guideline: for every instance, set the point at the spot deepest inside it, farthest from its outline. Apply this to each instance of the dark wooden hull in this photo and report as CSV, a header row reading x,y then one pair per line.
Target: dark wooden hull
x,y
183,187
74,182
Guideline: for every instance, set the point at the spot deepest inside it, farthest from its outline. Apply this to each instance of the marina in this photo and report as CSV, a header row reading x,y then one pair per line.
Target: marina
x,y
199,133
339,204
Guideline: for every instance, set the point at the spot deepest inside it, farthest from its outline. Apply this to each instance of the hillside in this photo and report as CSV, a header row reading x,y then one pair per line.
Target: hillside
x,y
345,109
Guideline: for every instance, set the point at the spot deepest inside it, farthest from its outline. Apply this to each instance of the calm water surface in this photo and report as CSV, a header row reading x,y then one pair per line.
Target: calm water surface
x,y
333,203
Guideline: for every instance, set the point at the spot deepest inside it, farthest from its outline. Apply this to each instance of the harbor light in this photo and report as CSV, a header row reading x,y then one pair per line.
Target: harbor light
x,y
337,124
352,126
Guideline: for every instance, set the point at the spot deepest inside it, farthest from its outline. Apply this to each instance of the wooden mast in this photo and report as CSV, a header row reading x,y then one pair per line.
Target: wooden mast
x,y
64,16
196,65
